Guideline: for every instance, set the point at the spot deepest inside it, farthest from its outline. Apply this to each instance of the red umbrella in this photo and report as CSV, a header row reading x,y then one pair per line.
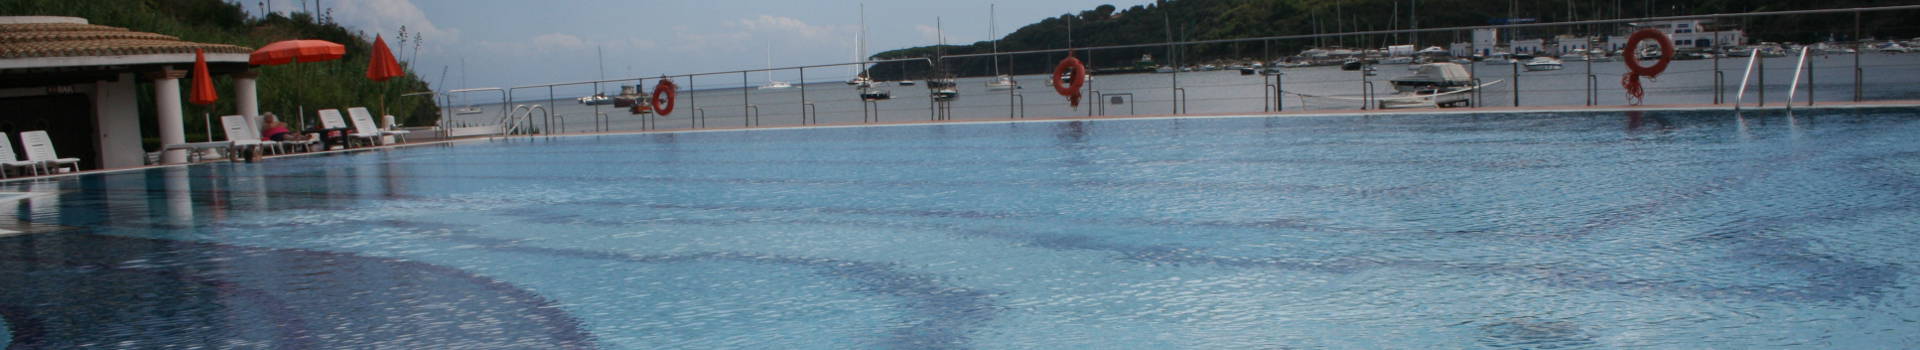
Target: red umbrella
x,y
382,66
293,51
203,93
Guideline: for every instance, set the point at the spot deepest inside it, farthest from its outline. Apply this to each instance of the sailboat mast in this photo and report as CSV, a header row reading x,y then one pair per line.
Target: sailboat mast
x,y
860,44
991,34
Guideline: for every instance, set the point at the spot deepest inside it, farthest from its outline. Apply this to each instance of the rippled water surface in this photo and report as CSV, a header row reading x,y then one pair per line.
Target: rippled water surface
x,y
1668,229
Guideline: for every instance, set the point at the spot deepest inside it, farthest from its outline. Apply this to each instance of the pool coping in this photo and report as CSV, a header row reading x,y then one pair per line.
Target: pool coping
x,y
1052,119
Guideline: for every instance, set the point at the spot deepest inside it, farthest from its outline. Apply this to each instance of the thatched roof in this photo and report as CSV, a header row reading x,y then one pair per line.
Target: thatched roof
x,y
31,40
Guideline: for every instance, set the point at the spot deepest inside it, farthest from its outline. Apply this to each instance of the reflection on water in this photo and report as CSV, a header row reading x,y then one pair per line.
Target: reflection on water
x,y
1559,230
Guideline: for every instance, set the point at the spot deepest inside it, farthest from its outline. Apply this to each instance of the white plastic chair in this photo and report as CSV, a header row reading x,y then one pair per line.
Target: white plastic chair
x,y
40,150
241,134
9,162
331,119
363,125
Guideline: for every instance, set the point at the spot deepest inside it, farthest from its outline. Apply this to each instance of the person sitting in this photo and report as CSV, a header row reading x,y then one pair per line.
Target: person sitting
x,y
278,131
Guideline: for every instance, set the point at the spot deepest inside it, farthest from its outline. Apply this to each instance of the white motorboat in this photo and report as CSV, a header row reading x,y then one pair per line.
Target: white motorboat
x,y
1163,69
466,110
1573,57
1543,64
1444,76
596,99
1396,60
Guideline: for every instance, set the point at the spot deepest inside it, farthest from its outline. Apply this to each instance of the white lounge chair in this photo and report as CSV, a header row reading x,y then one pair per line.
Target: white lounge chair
x,y
40,150
330,119
363,125
240,136
9,162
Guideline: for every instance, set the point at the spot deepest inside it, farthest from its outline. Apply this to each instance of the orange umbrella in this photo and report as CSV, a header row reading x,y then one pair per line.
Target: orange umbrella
x,y
382,66
203,93
292,51
295,51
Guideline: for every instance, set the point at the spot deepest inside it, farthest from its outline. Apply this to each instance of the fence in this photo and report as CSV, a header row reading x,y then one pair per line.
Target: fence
x,y
1855,69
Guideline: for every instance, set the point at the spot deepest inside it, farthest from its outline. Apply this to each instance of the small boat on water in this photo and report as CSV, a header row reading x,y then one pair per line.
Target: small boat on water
x,y
904,83
1351,64
1434,76
859,81
943,89
1397,60
775,85
1002,82
1573,57
628,95
1248,71
1163,69
1538,64
466,110
596,99
1436,85
875,94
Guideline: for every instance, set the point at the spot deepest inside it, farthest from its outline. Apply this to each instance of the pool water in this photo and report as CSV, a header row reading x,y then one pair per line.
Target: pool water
x,y
1561,230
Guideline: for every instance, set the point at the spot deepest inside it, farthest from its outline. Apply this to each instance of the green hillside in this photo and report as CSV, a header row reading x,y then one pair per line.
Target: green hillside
x,y
333,84
1227,19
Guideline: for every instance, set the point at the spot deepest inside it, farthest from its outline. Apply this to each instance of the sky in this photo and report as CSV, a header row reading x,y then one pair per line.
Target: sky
x,y
515,43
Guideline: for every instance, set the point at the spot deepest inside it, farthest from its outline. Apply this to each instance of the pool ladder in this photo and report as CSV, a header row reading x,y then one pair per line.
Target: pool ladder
x,y
520,121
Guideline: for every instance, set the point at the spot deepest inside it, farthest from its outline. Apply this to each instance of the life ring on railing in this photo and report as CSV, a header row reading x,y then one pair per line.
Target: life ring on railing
x,y
1070,90
665,86
1634,70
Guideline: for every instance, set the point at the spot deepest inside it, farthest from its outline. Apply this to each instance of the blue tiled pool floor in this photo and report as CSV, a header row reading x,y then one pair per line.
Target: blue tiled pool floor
x,y
1573,230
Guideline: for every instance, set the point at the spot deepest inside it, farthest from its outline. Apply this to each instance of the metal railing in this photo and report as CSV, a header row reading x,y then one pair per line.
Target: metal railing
x,y
1216,94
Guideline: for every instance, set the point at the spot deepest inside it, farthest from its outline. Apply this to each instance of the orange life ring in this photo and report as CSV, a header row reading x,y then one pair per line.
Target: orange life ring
x,y
664,86
1079,76
1634,70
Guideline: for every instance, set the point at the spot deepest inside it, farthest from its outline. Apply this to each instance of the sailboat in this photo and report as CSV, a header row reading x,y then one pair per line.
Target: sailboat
x,y
469,109
772,84
868,90
1000,81
941,86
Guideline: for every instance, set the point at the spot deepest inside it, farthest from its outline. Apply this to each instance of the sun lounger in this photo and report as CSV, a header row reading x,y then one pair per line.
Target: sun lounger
x,y
330,119
9,162
240,136
363,125
40,150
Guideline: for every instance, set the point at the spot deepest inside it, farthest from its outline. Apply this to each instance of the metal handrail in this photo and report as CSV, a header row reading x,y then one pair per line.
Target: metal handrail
x,y
1740,97
1456,29
1794,87
1180,100
807,109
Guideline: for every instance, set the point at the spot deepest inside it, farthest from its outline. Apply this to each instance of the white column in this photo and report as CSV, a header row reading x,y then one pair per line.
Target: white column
x,y
166,97
245,95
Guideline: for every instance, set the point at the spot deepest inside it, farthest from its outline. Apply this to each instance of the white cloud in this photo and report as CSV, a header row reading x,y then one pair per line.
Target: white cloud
x,y
385,18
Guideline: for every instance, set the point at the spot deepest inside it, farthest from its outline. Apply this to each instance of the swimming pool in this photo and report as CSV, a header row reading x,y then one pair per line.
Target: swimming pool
x,y
1668,229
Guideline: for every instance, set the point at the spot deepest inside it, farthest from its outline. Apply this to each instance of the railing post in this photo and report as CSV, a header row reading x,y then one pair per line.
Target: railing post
x,y
1762,85
1858,73
1515,64
803,95
746,101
